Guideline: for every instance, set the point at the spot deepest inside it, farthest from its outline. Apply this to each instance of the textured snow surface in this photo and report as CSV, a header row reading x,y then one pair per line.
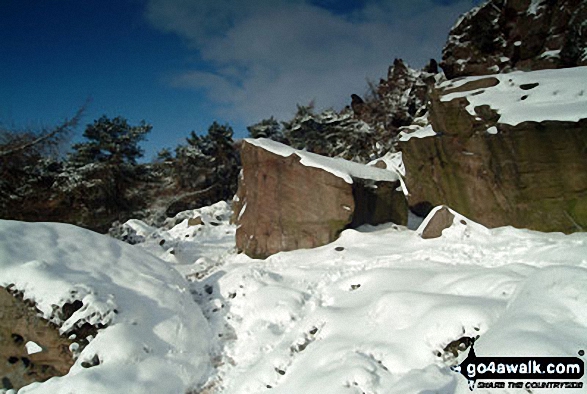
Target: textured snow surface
x,y
344,169
156,339
369,313
557,95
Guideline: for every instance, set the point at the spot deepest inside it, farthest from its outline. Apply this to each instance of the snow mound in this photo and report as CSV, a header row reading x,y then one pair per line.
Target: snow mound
x,y
156,339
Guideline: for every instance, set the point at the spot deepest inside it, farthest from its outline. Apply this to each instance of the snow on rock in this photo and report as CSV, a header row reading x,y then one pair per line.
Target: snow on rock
x,y
503,141
295,199
156,338
554,95
416,132
443,221
344,169
501,36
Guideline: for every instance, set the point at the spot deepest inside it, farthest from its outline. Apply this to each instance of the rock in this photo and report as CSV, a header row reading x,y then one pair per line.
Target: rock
x,y
358,105
498,168
440,220
195,221
505,35
290,199
21,323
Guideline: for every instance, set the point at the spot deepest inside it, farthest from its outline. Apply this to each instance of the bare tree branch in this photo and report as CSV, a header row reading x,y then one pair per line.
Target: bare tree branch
x,y
61,129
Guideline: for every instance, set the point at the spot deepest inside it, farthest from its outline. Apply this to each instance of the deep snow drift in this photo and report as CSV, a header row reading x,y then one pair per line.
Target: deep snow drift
x,y
370,313
156,340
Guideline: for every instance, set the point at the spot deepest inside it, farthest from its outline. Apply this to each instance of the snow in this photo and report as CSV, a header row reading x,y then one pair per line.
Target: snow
x,y
394,162
341,168
558,95
534,6
552,53
492,130
371,312
416,132
32,347
156,339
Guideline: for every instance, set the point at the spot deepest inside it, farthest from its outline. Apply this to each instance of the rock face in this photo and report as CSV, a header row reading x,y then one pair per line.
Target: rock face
x,y
290,199
19,324
398,99
510,149
505,35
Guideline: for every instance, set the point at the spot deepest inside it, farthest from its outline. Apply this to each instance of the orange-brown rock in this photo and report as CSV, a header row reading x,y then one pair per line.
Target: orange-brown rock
x,y
282,204
20,323
529,175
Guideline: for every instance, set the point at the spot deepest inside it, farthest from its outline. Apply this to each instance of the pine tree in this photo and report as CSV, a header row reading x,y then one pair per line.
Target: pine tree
x,y
267,128
101,175
209,162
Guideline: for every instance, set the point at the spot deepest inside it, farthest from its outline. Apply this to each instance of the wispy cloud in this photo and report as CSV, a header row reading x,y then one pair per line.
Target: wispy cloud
x,y
260,58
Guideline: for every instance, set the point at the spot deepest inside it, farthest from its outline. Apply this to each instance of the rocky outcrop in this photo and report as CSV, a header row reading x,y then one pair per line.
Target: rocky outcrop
x,y
21,325
505,35
509,149
397,99
290,199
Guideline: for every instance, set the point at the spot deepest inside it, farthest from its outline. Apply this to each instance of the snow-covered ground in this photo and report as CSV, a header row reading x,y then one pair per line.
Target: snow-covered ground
x,y
369,313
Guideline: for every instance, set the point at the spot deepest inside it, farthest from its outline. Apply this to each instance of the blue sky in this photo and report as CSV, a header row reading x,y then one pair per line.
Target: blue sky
x,y
181,64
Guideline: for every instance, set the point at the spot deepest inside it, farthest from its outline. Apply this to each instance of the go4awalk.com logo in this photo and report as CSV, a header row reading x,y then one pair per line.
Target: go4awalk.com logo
x,y
522,372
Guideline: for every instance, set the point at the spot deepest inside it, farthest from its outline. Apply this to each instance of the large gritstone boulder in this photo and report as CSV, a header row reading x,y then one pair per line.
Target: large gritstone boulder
x,y
289,199
506,149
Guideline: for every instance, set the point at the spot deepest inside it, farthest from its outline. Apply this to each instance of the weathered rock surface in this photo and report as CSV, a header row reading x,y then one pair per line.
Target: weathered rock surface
x,y
284,203
496,168
441,219
20,323
505,35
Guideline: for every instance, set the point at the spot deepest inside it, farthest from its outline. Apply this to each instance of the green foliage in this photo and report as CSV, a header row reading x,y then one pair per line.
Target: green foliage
x,y
267,128
208,161
111,141
326,133
100,178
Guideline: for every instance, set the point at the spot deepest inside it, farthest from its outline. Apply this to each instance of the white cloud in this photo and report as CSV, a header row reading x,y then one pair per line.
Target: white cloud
x,y
267,56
